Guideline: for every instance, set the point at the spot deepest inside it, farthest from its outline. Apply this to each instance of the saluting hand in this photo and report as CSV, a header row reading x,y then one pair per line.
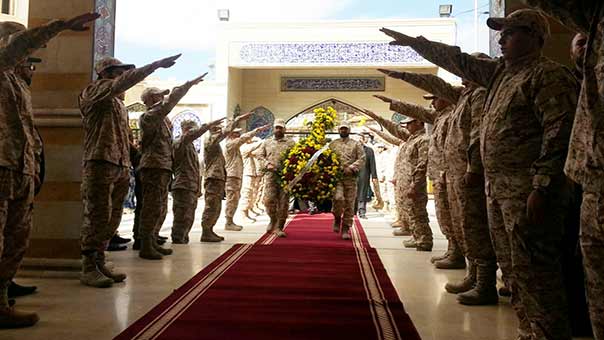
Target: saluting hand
x,y
78,23
197,80
399,38
167,62
243,117
392,74
384,98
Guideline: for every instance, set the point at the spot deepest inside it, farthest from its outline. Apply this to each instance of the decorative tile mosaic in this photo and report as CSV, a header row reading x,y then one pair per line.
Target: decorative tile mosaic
x,y
344,84
179,118
328,53
260,117
104,30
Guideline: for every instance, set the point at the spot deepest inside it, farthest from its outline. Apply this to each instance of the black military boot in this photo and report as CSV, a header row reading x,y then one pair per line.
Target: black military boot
x,y
485,292
466,284
16,290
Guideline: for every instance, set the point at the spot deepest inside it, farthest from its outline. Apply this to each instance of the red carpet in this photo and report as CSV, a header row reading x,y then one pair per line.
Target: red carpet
x,y
301,287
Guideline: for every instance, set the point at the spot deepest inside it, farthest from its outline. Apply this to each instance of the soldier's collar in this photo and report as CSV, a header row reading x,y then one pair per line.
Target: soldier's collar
x,y
523,61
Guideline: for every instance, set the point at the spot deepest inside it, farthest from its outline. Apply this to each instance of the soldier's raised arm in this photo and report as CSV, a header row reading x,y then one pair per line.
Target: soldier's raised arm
x,y
429,83
386,136
134,76
24,42
246,137
192,135
411,110
451,58
395,129
574,14
175,96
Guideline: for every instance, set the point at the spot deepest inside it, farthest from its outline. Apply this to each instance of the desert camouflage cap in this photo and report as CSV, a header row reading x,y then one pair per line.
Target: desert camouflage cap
x,y
532,19
110,62
188,124
151,91
344,124
279,122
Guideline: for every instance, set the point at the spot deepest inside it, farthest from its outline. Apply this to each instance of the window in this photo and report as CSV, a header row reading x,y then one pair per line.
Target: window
x,y
6,6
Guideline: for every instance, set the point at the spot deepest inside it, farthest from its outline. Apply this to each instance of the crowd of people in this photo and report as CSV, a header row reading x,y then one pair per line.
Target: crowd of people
x,y
514,157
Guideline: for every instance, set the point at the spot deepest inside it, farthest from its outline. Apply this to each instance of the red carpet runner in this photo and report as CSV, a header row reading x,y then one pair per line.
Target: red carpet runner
x,y
311,285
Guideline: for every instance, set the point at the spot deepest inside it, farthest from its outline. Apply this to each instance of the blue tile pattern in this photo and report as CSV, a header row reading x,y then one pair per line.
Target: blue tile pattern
x,y
328,53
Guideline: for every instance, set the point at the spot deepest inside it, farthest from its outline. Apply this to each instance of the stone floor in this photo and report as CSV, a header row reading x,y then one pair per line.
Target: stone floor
x,y
69,310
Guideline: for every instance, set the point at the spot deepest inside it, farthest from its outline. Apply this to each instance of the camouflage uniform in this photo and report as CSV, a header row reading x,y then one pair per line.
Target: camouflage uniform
x,y
186,187
234,172
105,176
156,161
398,136
276,200
585,162
17,142
524,137
215,177
251,175
413,179
437,170
350,155
468,204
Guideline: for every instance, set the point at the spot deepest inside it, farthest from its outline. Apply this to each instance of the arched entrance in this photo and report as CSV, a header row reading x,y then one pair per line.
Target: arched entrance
x,y
346,112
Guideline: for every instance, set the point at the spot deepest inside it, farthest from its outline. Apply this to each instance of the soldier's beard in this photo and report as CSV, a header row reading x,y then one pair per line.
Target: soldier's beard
x,y
279,134
344,135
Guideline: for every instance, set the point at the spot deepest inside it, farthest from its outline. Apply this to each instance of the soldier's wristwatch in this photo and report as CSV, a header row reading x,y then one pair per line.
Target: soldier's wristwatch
x,y
541,182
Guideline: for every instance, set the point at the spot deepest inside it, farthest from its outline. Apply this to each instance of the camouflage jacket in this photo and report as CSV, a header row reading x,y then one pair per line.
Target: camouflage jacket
x,y
529,109
156,131
415,162
467,113
213,157
105,119
437,166
272,151
350,154
585,162
234,158
186,166
17,135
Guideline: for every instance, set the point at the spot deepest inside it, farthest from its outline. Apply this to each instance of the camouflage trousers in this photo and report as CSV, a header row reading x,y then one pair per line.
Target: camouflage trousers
x,y
16,207
276,201
529,256
443,210
592,246
419,223
184,205
104,189
399,201
213,193
233,195
251,188
343,203
470,220
156,184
